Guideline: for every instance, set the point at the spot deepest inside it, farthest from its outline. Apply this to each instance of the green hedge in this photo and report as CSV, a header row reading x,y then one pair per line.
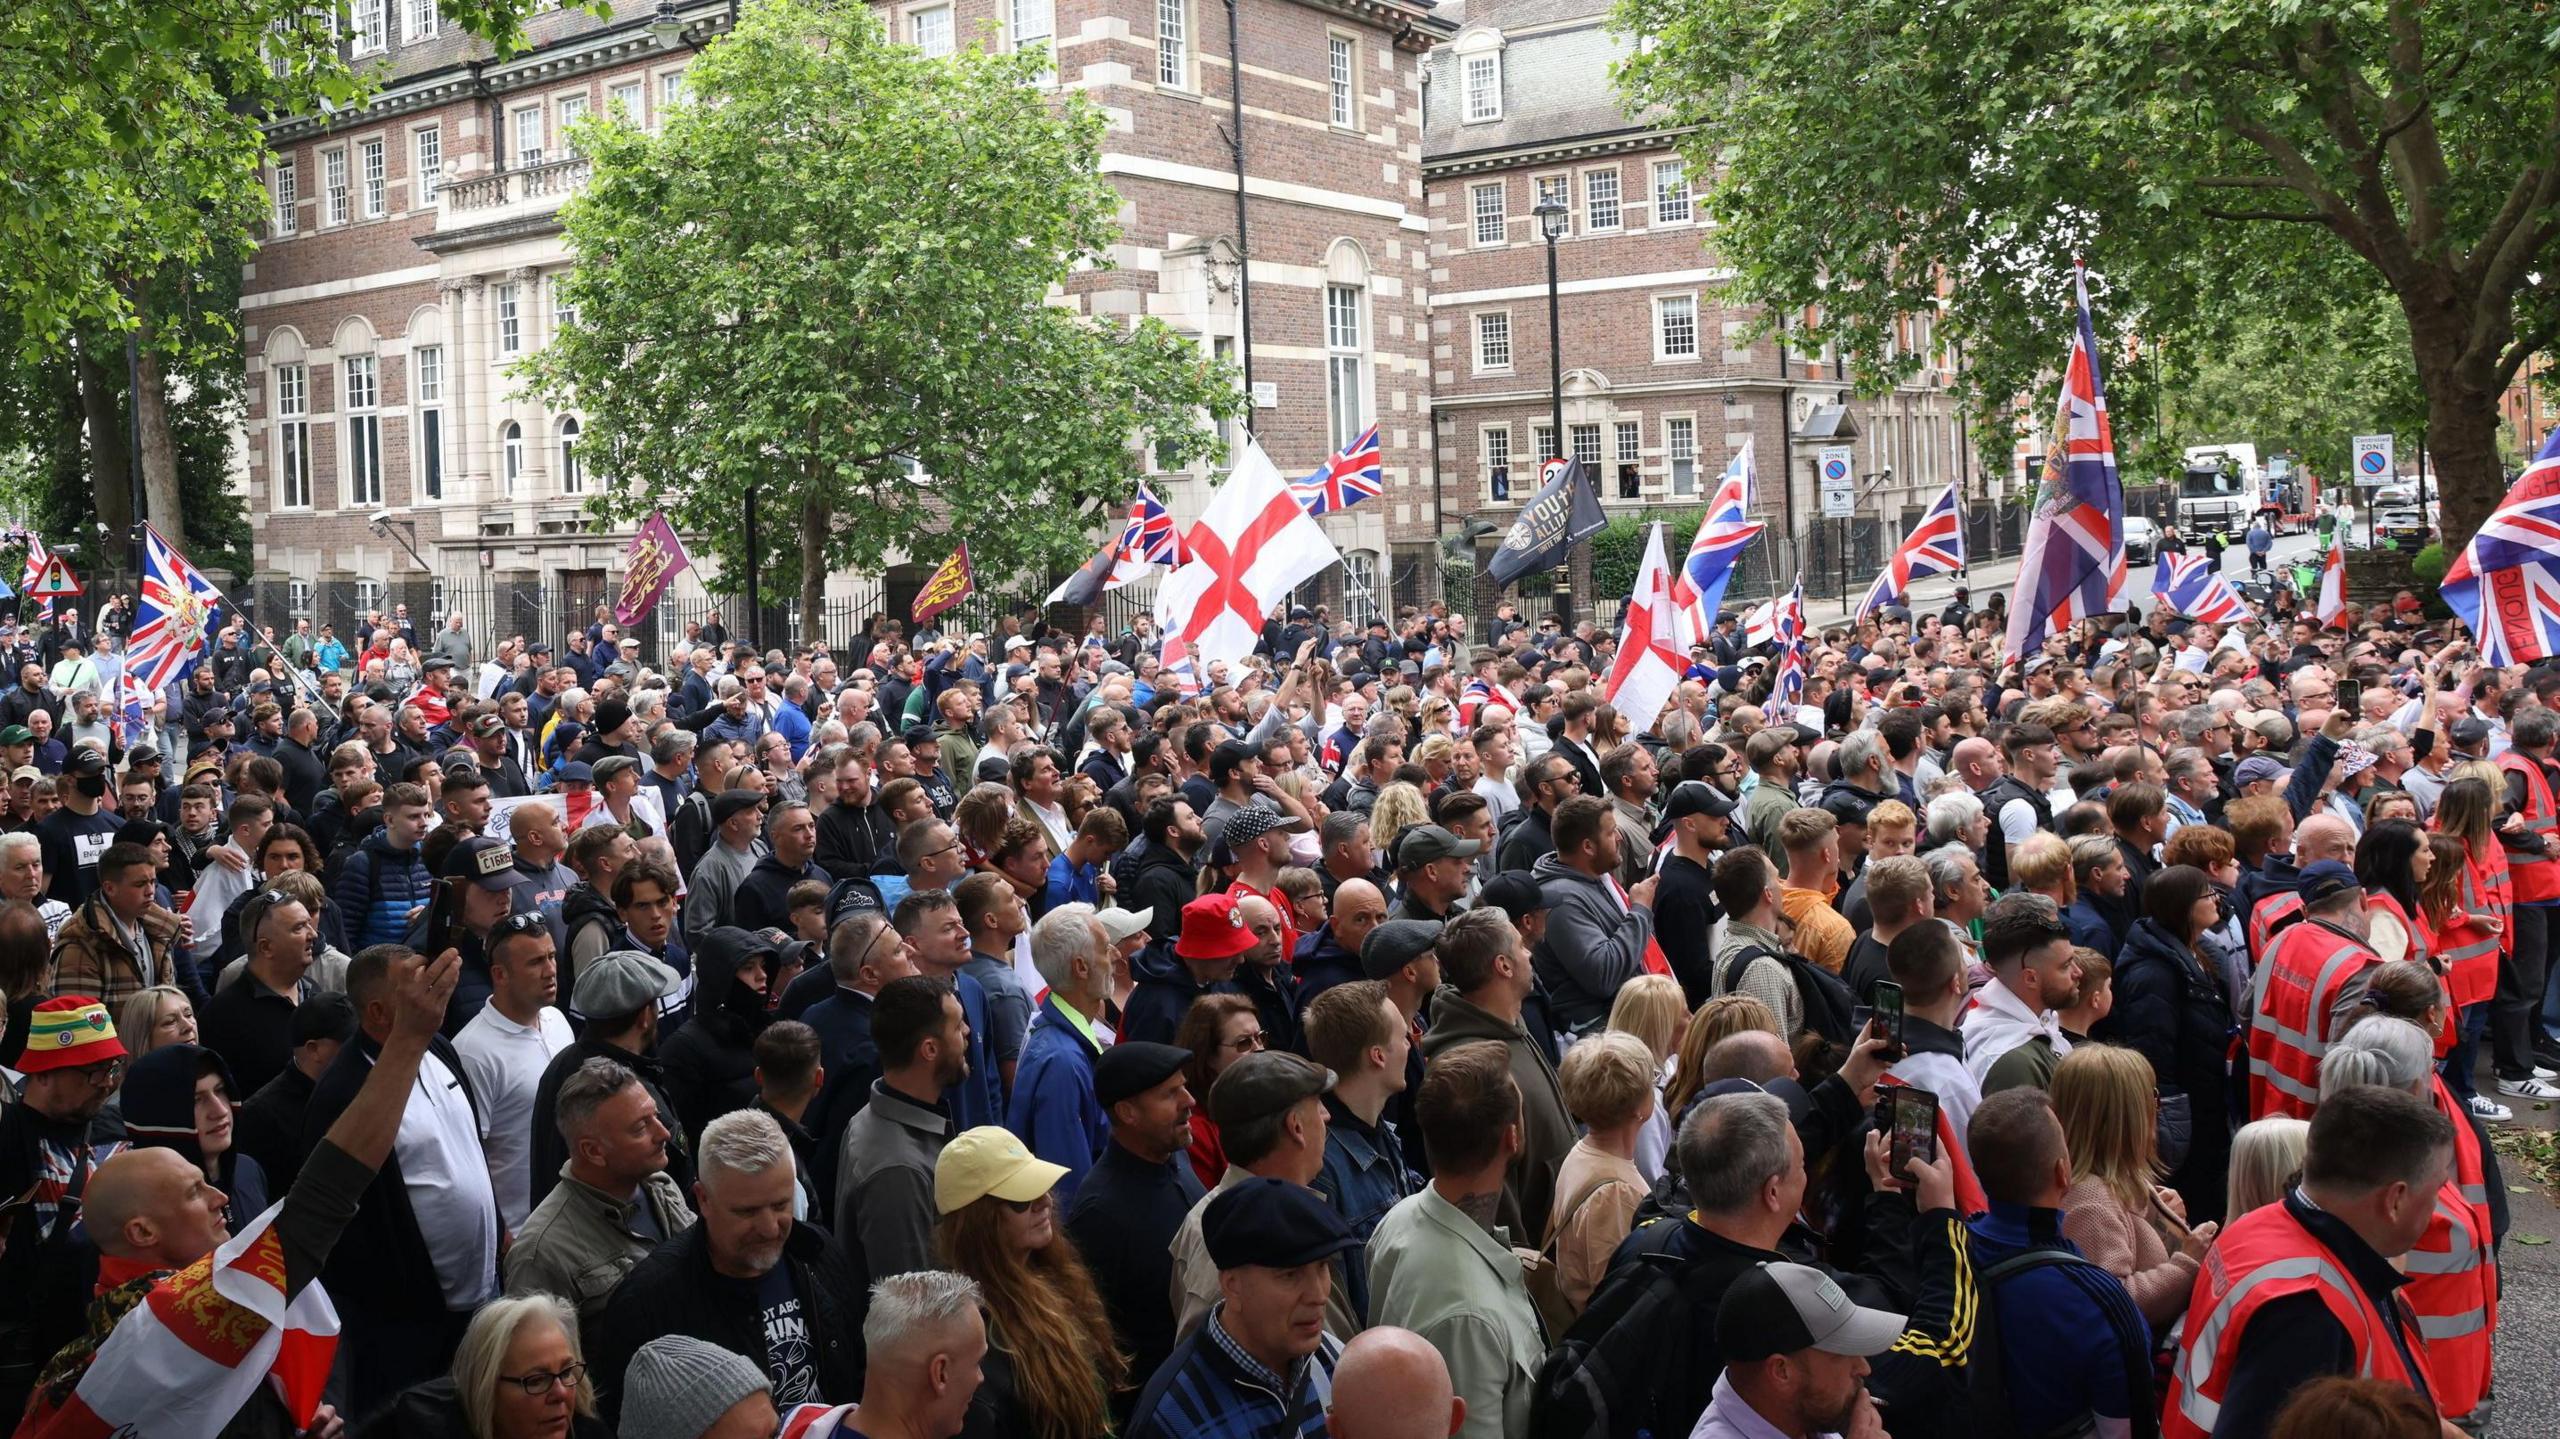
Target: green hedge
x,y
1618,551
2430,564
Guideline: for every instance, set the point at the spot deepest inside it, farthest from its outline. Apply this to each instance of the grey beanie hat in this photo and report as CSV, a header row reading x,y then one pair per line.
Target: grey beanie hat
x,y
678,1387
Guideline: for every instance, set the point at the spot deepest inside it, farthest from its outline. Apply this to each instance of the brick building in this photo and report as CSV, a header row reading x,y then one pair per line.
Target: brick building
x,y
1660,387
414,251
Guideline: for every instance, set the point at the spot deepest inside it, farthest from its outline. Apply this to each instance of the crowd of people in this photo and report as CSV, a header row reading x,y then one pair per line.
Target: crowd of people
x,y
976,1033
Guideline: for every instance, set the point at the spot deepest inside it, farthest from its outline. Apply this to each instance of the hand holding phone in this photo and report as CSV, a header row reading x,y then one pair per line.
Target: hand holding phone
x,y
2350,695
1887,1018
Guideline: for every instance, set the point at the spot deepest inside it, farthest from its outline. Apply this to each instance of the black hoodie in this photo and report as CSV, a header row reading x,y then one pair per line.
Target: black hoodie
x,y
159,1104
710,1064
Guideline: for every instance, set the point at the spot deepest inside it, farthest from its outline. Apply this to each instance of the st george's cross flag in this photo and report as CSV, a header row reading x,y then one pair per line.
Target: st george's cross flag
x,y
1698,587
182,1363
2332,607
175,614
2189,585
1935,546
1251,546
1650,658
2073,565
1760,623
1353,474
2506,583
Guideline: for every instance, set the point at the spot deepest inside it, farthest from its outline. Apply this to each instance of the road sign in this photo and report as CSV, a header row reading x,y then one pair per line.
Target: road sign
x,y
1266,395
57,581
1837,466
2374,464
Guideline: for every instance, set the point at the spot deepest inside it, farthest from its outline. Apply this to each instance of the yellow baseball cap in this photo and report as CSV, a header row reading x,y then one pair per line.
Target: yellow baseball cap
x,y
990,1161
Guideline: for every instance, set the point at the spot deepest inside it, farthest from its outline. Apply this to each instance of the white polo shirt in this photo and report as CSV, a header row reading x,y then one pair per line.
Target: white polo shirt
x,y
506,1061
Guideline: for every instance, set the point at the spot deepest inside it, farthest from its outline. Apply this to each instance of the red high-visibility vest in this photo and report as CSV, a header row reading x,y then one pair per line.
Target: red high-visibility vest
x,y
2265,1255
2290,1030
2271,915
2453,1275
2537,877
2468,946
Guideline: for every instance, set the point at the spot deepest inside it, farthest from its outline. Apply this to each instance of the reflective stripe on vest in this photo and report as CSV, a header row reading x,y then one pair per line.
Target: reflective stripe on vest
x,y
2287,1035
2270,914
2196,1364
2536,877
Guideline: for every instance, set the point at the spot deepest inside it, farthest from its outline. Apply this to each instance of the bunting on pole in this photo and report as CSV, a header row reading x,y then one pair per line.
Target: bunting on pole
x,y
948,586
1352,475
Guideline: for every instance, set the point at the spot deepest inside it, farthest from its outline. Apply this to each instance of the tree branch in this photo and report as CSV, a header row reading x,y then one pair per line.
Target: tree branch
x,y
2524,347
2303,217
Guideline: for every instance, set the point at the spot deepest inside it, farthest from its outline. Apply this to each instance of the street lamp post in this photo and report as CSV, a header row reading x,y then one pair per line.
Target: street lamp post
x,y
1553,216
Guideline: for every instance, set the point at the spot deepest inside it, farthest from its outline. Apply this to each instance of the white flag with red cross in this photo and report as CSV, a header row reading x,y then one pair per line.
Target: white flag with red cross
x,y
1252,546
1650,657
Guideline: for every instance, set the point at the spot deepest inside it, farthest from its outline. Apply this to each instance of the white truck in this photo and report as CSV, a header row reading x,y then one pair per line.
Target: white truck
x,y
2218,489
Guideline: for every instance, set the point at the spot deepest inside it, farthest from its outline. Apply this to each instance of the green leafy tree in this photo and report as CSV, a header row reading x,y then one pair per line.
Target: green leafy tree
x,y
132,147
1867,157
2297,381
827,281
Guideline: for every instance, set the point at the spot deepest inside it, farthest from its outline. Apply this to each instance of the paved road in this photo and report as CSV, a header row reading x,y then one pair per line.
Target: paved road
x,y
2528,1379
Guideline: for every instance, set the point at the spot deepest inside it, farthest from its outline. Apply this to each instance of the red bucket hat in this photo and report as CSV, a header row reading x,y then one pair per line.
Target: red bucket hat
x,y
1212,928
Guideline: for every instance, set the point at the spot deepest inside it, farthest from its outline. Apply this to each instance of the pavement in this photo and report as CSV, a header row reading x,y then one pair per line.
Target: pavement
x,y
1931,595
2528,1382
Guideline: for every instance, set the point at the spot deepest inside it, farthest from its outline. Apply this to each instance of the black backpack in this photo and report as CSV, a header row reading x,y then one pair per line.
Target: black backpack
x,y
1829,1009
1608,1378
1994,1416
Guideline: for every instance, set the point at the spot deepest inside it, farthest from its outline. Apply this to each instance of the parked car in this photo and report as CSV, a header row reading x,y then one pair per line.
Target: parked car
x,y
2141,540
2402,528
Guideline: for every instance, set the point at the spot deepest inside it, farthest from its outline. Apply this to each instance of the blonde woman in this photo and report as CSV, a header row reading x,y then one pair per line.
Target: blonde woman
x,y
1608,1088
519,1374
1726,1014
1652,1008
154,1017
1399,807
2266,1154
2116,1210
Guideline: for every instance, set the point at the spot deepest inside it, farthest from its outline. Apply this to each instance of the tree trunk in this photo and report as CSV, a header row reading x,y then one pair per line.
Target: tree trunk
x,y
2462,415
159,448
110,453
816,518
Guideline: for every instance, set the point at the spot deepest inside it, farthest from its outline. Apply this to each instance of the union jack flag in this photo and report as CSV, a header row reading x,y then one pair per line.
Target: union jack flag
x,y
1935,546
133,710
2073,566
1479,692
37,555
1352,475
1697,587
1147,540
176,613
2506,583
2189,585
1787,614
1178,669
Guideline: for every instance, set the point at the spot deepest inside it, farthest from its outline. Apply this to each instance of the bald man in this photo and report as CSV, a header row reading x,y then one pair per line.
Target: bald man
x,y
1330,955
2318,837
1392,1384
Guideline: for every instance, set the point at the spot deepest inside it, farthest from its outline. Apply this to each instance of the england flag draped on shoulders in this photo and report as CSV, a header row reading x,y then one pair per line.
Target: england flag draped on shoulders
x,y
1697,588
2073,565
1253,545
2506,583
1650,658
2189,585
1935,546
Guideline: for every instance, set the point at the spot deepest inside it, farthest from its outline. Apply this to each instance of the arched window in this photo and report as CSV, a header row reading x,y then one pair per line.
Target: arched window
x,y
511,454
1346,341
360,407
289,413
573,476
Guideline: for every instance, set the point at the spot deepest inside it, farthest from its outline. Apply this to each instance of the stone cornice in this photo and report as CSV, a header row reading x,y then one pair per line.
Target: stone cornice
x,y
1562,150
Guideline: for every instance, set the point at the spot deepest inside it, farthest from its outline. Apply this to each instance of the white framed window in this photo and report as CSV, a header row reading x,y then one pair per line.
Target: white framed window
x,y
1558,188
374,171
427,146
1486,205
1680,446
929,30
631,99
373,27
1359,585
670,93
1600,211
1496,444
361,400
573,108
1346,362
1630,442
293,437
1483,77
1543,439
426,384
297,596
573,475
333,187
564,307
526,126
368,596
420,20
1671,202
1675,327
1173,43
1342,71
1493,340
510,319
510,456
1586,447
1034,22
287,191
436,598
